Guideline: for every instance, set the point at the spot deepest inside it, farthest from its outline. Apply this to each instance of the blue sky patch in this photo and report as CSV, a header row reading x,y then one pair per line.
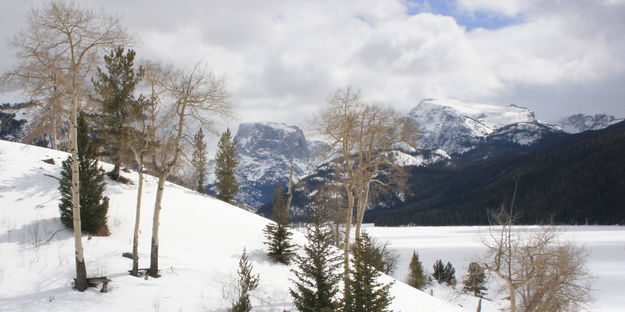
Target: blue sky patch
x,y
470,20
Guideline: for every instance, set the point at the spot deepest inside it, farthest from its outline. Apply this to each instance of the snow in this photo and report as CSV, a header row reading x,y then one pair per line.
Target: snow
x,y
462,244
201,240
490,115
12,97
404,159
457,126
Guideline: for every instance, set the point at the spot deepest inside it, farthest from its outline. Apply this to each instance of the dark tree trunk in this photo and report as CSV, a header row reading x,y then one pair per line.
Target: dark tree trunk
x,y
81,275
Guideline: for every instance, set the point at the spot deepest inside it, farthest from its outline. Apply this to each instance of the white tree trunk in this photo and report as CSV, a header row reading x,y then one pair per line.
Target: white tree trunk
x,y
135,238
155,226
81,272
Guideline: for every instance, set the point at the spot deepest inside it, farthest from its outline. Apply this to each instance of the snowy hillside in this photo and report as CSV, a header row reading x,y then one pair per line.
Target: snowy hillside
x,y
458,127
201,241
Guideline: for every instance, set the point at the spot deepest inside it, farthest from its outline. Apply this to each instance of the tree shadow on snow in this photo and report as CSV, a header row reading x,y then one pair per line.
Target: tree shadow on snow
x,y
37,232
34,182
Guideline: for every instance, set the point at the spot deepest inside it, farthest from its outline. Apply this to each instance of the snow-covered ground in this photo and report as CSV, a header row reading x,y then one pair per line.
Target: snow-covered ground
x,y
201,240
462,244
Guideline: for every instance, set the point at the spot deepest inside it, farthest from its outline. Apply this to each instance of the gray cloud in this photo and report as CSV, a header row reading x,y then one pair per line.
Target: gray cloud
x,y
280,58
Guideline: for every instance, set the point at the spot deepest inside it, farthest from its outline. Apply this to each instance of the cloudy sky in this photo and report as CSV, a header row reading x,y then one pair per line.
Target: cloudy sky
x,y
281,57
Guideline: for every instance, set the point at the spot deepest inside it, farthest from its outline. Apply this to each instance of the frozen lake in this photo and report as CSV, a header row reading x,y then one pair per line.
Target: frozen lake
x,y
462,244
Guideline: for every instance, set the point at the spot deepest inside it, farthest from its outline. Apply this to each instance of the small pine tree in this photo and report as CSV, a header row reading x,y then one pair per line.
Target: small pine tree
x,y
317,278
439,271
93,204
198,160
118,107
416,276
365,293
226,161
449,274
247,283
278,234
475,280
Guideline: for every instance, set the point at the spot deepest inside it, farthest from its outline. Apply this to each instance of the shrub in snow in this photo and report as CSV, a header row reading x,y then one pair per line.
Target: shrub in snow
x,y
279,235
364,292
475,280
416,276
317,275
93,204
247,282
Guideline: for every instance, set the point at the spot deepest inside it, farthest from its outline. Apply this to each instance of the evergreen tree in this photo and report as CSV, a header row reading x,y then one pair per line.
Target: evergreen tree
x,y
93,204
247,282
475,281
199,160
278,234
365,293
439,271
317,276
225,163
416,276
118,107
449,274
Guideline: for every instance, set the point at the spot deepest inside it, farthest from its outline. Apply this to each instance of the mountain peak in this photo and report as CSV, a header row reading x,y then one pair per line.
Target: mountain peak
x,y
457,126
271,138
581,122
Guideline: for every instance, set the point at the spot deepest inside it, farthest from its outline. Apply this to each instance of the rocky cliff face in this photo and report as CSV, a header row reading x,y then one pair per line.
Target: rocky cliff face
x,y
267,151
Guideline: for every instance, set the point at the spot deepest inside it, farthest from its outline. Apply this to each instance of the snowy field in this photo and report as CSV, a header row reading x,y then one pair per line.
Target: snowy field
x,y
462,244
201,240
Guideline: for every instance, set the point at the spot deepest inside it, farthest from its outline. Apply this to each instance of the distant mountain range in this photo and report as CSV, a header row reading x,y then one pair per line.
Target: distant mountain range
x,y
568,179
467,157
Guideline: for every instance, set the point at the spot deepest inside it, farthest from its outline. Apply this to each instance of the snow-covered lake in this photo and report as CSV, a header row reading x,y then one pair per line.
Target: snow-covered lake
x,y
462,244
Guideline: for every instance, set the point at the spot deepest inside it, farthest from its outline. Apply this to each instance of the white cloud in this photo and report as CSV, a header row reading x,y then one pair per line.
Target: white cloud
x,y
280,58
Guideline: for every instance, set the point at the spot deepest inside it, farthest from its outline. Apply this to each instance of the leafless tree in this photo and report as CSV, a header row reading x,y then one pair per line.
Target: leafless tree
x,y
380,131
361,136
37,72
196,95
142,145
62,44
540,272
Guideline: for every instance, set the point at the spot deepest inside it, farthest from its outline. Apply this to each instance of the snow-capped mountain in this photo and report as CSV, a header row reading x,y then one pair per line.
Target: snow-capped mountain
x,y
581,122
266,152
457,127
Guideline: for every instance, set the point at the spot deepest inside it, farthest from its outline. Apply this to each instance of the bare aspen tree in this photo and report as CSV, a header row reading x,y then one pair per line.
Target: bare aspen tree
x,y
193,95
361,136
40,79
143,145
380,131
69,39
338,124
540,272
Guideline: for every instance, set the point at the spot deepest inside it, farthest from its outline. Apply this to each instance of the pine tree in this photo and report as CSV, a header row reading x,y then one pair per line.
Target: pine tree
x,y
118,107
317,276
475,280
93,204
278,234
449,274
365,292
439,271
416,276
199,160
226,161
247,283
